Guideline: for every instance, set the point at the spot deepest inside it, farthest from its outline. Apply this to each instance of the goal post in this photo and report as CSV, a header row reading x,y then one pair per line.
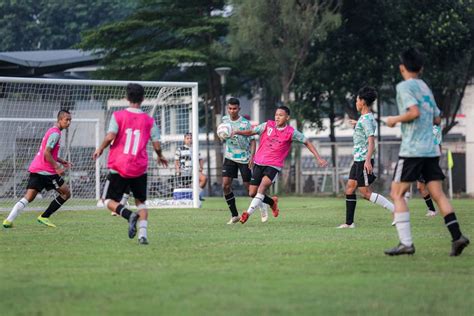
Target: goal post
x,y
28,107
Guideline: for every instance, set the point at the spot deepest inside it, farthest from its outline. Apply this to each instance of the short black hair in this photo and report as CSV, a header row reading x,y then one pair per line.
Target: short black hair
x,y
368,94
233,101
284,108
412,59
135,93
188,134
62,112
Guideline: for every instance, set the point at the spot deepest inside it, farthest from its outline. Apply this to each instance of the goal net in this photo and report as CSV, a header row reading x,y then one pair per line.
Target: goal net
x,y
28,107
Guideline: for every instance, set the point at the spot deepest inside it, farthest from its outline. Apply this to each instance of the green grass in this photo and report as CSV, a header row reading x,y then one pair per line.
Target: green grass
x,y
196,265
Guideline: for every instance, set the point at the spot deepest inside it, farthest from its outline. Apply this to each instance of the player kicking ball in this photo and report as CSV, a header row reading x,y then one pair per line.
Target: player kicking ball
x,y
128,134
275,144
419,155
46,170
362,174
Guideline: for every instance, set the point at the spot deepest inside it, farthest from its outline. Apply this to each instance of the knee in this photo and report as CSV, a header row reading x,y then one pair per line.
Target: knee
x,y
252,194
66,195
226,188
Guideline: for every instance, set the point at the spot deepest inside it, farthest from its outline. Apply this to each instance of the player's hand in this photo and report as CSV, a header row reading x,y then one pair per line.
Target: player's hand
x,y
59,170
162,161
391,121
67,164
251,163
368,167
353,122
97,154
322,162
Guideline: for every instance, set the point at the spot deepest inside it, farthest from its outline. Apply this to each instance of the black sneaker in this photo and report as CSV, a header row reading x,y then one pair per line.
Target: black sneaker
x,y
132,225
401,249
458,246
142,241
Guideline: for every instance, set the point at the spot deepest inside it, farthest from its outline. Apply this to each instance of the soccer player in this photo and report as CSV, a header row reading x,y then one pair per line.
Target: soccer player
x,y
183,162
275,145
419,155
46,170
128,134
362,175
239,152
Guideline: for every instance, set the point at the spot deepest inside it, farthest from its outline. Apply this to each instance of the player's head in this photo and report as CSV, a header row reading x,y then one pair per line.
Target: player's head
x,y
366,97
64,119
135,93
233,107
188,139
282,115
411,61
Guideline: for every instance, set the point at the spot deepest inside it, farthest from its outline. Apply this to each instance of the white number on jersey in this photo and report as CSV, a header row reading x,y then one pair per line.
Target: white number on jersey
x,y
128,141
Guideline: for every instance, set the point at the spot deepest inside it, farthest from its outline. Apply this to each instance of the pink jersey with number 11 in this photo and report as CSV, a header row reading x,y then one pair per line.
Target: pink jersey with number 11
x,y
128,155
274,145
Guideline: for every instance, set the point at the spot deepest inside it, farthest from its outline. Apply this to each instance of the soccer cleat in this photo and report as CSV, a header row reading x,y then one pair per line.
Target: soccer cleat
x,y
132,225
244,217
401,249
458,246
264,214
142,241
347,226
394,223
275,209
233,220
45,221
430,213
113,214
7,224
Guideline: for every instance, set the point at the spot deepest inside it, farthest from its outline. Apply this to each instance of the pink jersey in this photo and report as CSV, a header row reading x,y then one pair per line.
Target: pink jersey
x,y
128,155
274,145
39,163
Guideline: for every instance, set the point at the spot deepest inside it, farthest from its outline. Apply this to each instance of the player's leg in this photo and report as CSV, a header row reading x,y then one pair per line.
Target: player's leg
x,y
272,174
202,185
255,181
19,206
421,186
138,187
434,176
257,201
351,201
229,172
64,194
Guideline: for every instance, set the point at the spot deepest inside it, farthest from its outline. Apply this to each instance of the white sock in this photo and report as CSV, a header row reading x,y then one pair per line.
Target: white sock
x,y
382,201
142,226
19,206
402,222
124,199
256,202
264,208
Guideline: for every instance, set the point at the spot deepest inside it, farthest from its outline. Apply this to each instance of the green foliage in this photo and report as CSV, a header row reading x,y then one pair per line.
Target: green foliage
x,y
52,24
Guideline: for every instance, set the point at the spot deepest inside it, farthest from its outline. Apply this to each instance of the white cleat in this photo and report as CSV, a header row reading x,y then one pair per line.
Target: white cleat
x,y
346,226
430,213
113,214
394,223
233,220
264,214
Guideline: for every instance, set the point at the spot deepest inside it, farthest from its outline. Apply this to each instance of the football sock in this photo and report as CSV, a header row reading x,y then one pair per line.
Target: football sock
x,y
268,200
123,211
257,200
124,199
429,203
19,206
402,222
142,226
452,224
382,201
351,201
54,206
230,199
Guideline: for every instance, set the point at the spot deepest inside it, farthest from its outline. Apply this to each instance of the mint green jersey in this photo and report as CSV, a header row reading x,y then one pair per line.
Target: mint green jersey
x,y
237,148
365,127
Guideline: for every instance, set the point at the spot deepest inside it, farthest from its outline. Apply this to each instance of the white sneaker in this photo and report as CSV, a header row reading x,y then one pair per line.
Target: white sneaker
x,y
430,213
264,214
233,220
346,226
394,223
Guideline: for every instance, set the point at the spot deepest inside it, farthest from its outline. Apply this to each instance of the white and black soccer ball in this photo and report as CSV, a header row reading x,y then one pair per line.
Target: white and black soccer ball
x,y
224,131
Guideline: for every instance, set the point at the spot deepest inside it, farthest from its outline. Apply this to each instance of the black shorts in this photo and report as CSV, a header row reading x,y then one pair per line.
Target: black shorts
x,y
411,169
359,174
231,169
39,182
259,172
184,181
116,186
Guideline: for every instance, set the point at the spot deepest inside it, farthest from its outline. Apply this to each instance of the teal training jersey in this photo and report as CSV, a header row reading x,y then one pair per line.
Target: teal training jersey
x,y
237,148
365,127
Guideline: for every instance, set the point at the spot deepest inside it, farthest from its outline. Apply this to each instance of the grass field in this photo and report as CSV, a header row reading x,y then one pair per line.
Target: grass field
x,y
297,264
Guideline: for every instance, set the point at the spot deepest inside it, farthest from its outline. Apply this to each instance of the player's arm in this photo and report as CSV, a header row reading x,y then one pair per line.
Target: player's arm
x,y
253,146
412,113
201,165
370,151
437,120
161,159
312,149
65,163
48,156
108,139
177,158
249,132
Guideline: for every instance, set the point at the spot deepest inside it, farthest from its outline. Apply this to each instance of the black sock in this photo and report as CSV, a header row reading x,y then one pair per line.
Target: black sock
x,y
351,201
268,200
452,224
429,203
230,199
123,211
53,207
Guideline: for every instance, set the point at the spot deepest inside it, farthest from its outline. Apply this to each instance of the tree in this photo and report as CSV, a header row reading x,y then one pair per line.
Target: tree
x,y
51,24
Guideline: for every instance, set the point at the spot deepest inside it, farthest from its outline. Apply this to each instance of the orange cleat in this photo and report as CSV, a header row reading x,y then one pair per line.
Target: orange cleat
x,y
244,217
275,209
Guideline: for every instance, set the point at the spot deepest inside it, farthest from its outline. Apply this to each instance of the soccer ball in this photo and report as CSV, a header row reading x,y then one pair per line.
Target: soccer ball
x,y
224,130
